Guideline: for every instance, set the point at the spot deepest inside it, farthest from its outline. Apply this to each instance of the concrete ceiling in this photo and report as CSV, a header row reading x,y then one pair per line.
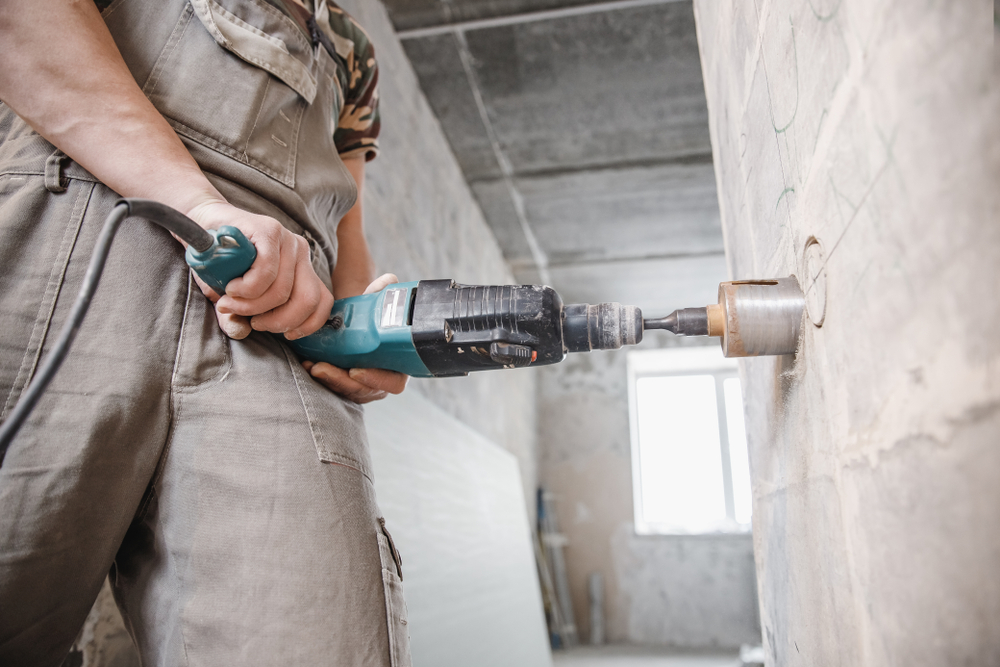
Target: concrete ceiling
x,y
582,129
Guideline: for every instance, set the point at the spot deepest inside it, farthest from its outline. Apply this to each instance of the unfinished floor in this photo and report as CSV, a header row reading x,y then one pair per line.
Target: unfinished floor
x,y
641,656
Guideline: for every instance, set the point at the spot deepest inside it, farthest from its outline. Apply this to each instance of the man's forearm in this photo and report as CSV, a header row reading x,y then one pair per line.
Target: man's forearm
x,y
355,268
62,73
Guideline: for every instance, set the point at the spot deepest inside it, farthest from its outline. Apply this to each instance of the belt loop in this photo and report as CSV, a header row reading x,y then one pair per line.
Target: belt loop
x,y
54,180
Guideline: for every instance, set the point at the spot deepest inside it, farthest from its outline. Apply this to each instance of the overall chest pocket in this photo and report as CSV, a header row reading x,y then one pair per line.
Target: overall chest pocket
x,y
216,98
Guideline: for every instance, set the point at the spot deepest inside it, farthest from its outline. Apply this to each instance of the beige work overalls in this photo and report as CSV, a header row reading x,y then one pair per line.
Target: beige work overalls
x,y
228,494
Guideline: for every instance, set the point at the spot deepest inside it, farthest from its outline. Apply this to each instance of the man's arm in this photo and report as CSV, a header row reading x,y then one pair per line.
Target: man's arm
x,y
355,268
62,73
353,276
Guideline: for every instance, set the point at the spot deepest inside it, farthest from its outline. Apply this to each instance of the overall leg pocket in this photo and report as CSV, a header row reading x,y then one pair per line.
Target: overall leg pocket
x,y
38,231
395,605
336,424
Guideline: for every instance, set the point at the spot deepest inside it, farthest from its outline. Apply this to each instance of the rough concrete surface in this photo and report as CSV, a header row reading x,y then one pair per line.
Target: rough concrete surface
x,y
680,591
422,222
869,125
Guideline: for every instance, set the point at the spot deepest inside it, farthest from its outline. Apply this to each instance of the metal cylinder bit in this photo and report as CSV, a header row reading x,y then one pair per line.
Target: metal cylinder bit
x,y
762,317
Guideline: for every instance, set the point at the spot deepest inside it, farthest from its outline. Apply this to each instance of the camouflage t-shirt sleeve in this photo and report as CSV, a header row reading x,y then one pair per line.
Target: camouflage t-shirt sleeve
x,y
359,124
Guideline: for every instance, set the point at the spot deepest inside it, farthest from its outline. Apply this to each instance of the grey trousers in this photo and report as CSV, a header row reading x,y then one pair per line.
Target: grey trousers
x,y
227,493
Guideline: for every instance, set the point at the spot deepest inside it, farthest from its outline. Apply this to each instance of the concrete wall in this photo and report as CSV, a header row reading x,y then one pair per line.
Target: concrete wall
x,y
869,125
422,222
684,591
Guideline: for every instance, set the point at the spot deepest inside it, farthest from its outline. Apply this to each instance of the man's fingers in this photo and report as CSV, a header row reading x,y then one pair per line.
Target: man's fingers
x,y
205,289
306,311
380,379
335,378
319,317
267,239
340,382
277,294
234,326
381,283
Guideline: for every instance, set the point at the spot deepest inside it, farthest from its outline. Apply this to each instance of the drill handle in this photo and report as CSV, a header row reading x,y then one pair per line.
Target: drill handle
x,y
216,255
230,256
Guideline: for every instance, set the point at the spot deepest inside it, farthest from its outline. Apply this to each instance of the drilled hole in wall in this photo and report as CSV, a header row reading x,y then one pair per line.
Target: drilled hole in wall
x,y
814,265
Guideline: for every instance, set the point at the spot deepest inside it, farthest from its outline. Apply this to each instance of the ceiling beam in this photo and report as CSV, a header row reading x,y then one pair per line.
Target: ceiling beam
x,y
606,261
528,17
684,160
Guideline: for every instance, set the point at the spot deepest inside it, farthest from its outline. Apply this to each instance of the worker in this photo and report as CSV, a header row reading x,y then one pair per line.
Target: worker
x,y
223,487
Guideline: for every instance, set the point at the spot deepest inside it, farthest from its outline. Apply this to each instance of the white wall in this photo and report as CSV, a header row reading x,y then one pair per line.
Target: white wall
x,y
453,501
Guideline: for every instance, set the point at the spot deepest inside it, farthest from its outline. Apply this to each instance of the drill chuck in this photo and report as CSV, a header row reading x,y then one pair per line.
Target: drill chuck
x,y
602,326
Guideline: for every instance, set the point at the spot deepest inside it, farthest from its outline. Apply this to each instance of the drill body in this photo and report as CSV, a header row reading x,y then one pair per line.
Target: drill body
x,y
438,328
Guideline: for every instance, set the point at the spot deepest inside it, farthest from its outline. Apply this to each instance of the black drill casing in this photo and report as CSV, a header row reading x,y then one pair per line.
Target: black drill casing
x,y
458,329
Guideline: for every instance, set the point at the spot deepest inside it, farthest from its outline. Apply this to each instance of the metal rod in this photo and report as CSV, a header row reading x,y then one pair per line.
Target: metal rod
x,y
683,322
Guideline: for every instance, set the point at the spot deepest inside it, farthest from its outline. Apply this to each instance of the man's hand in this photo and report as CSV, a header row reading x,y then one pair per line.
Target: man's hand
x,y
281,292
361,385
100,118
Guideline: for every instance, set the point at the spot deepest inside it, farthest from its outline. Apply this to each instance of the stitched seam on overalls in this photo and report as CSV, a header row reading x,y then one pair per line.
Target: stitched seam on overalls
x,y
290,25
317,439
110,9
294,152
303,85
260,110
220,147
249,27
160,467
224,367
50,297
172,409
175,38
37,172
175,412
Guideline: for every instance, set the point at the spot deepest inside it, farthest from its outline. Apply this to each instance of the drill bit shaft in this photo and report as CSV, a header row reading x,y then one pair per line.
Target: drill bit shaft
x,y
683,322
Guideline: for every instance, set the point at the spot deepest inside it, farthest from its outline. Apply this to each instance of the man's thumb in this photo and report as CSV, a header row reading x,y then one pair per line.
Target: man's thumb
x,y
235,326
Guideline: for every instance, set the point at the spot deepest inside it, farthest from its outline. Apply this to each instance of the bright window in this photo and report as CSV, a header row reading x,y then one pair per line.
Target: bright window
x,y
689,453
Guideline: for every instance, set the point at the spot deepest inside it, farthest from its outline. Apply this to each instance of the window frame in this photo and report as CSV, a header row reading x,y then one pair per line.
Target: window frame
x,y
679,362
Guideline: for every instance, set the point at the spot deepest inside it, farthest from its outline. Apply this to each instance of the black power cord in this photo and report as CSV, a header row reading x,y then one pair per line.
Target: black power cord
x,y
166,217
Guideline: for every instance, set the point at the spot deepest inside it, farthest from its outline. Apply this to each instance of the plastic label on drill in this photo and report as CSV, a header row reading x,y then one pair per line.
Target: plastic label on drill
x,y
394,308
